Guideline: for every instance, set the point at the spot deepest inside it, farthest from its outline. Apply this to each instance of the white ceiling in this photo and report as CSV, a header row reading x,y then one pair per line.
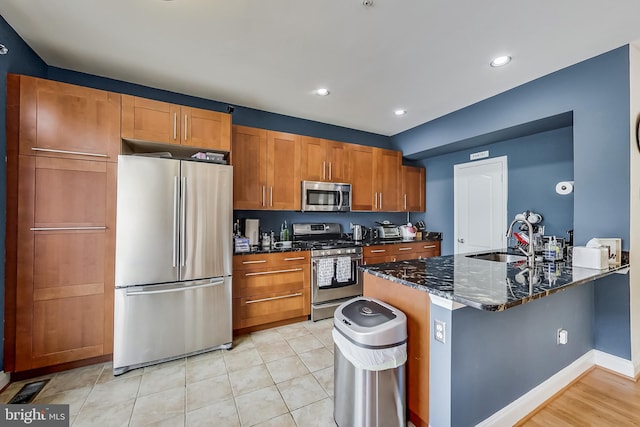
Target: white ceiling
x,y
430,57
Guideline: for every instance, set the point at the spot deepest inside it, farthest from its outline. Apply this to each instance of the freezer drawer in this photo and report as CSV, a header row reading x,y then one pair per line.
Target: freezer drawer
x,y
161,322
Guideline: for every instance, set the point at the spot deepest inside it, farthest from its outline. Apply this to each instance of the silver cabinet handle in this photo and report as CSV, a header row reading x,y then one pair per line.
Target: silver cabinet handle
x,y
263,194
405,201
376,202
324,165
271,196
175,126
183,221
297,294
330,171
66,228
78,153
404,249
375,251
176,215
381,200
295,259
433,246
185,127
262,273
176,289
260,261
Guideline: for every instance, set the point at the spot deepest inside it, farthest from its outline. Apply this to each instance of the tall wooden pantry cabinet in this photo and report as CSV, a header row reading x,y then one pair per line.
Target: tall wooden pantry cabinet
x,y
62,147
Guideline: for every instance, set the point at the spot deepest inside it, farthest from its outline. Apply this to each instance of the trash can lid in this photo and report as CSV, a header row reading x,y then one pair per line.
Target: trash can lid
x,y
371,322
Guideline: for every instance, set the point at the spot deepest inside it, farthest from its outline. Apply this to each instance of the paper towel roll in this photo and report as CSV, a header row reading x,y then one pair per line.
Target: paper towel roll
x,y
564,187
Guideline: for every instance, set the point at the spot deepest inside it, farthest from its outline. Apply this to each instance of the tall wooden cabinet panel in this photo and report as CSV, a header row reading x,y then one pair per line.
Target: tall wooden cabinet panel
x,y
386,167
361,168
324,160
156,121
249,148
266,173
413,189
60,244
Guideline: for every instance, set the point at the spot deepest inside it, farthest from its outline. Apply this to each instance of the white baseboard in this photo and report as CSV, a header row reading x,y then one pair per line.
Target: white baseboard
x,y
527,403
614,363
4,379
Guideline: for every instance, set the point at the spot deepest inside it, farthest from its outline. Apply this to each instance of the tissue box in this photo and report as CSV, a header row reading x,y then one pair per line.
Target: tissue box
x,y
615,249
596,258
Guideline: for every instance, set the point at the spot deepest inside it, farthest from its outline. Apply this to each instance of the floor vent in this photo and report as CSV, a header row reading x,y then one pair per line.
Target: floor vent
x,y
28,392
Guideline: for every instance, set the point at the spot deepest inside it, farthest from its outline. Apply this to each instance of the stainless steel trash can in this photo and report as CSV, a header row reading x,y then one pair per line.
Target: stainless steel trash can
x,y
370,353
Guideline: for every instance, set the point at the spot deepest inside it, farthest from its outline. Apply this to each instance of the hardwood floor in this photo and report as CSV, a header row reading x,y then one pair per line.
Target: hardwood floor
x,y
600,398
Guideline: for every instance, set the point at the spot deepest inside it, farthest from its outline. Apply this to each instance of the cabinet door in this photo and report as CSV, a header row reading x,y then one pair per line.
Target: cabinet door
x,y
387,165
313,164
413,189
206,129
249,147
63,120
338,161
361,177
149,120
65,261
283,171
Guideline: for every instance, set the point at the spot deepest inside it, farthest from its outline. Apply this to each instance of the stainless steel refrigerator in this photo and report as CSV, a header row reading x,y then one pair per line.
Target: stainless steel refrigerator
x,y
173,260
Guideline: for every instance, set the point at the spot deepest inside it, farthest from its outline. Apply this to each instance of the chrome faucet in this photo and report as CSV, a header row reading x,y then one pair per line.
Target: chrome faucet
x,y
531,255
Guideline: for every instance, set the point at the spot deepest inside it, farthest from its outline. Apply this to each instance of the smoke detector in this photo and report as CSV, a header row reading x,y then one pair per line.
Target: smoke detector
x,y
367,3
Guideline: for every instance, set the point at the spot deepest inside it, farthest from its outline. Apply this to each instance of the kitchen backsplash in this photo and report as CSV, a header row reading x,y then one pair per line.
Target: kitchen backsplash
x,y
272,220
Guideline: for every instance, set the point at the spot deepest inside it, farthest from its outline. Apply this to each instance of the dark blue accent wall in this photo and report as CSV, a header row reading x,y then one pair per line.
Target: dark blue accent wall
x,y
21,59
596,91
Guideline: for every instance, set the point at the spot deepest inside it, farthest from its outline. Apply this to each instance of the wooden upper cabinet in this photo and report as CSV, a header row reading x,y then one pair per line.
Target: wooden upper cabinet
x,y
266,169
156,121
249,147
283,171
413,189
324,160
387,164
62,120
361,171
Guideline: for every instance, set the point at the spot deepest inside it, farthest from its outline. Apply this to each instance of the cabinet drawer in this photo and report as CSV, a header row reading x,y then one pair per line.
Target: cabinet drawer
x,y
270,307
377,250
258,281
248,262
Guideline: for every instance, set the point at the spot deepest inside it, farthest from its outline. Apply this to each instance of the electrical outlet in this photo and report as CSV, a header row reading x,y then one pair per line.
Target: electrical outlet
x,y
562,337
439,331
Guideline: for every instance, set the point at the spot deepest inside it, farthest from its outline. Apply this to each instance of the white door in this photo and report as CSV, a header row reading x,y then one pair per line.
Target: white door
x,y
480,205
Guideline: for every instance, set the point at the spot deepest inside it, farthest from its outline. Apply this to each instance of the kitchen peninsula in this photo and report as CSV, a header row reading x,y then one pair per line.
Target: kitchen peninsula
x,y
493,322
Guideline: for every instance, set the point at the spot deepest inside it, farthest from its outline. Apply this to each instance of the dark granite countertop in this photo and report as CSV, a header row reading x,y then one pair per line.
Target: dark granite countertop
x,y
486,285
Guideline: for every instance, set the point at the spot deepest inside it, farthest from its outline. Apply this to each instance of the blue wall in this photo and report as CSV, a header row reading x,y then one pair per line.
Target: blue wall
x,y
21,59
535,163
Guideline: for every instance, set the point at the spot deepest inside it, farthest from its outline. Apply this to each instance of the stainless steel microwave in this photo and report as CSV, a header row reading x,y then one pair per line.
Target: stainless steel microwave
x,y
325,197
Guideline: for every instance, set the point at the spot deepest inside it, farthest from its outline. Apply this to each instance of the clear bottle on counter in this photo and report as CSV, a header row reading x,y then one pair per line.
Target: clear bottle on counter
x,y
284,232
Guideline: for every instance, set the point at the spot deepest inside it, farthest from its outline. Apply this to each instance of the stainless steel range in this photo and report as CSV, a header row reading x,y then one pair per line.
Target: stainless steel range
x,y
335,277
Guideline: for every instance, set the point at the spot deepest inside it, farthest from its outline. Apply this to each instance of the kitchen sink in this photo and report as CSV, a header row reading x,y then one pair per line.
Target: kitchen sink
x,y
499,257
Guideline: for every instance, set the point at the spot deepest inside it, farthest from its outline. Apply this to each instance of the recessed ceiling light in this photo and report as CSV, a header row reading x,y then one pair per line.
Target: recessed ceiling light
x,y
500,61
322,91
400,112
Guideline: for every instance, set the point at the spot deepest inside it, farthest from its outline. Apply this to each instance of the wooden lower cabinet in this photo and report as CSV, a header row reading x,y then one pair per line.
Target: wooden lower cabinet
x,y
391,252
415,305
270,289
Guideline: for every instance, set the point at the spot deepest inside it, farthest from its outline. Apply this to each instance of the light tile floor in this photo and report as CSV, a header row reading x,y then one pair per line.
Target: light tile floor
x,y
277,377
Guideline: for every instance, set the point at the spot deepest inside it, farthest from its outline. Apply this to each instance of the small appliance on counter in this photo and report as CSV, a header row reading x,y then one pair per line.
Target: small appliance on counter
x,y
385,230
359,232
408,231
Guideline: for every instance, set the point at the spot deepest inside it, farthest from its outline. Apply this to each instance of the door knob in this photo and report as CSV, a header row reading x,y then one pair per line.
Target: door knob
x,y
460,240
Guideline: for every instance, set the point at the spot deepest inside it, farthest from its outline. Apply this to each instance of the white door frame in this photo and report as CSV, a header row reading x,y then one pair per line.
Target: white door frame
x,y
502,161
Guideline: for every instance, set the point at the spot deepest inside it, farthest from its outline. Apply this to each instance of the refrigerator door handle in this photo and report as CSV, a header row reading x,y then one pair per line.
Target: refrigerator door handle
x,y
183,222
179,288
175,221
